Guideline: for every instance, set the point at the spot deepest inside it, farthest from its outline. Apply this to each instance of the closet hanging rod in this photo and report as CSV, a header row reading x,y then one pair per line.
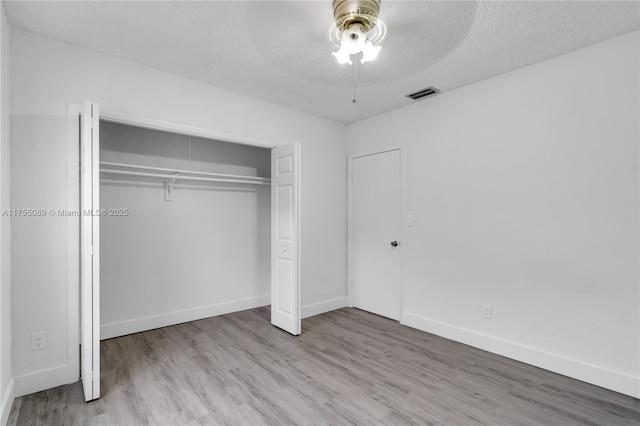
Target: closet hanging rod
x,y
184,172
182,177
185,185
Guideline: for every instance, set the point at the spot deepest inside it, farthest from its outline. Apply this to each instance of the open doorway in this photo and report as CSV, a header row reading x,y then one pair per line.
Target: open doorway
x,y
186,234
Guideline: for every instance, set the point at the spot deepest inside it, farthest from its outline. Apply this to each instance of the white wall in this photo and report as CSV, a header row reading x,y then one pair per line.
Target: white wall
x,y
525,192
205,253
47,74
6,378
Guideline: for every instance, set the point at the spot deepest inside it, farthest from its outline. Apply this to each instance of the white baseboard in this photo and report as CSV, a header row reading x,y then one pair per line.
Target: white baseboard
x,y
136,325
609,379
7,402
325,306
46,379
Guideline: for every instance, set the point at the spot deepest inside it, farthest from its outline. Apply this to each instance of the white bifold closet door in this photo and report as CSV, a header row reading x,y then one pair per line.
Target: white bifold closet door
x,y
285,241
90,251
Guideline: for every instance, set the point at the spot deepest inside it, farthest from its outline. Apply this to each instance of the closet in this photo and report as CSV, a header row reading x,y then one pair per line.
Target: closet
x,y
177,223
185,230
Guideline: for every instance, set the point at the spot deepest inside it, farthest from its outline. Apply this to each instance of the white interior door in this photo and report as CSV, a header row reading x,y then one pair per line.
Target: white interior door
x,y
376,227
90,251
285,238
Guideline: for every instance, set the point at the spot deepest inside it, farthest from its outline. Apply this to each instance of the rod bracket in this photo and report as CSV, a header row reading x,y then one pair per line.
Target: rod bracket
x,y
169,187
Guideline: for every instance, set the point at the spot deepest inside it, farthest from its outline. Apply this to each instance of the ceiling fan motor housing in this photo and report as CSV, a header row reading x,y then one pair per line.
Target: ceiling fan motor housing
x,y
363,13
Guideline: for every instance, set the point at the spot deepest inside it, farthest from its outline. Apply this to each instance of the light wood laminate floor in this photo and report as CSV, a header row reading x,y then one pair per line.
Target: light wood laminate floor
x,y
348,367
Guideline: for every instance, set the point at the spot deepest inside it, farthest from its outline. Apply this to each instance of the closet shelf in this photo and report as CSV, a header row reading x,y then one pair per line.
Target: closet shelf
x,y
175,174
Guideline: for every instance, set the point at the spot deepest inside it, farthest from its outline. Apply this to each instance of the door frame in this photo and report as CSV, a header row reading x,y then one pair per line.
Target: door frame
x,y
74,110
402,219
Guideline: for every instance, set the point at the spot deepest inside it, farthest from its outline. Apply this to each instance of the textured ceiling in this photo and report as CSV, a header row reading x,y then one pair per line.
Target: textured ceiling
x,y
279,51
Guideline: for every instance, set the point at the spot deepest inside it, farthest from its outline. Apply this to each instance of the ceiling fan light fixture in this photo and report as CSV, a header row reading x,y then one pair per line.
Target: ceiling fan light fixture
x,y
352,42
356,22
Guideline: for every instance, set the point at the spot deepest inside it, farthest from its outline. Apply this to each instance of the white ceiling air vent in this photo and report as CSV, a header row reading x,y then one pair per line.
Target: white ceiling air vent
x,y
429,91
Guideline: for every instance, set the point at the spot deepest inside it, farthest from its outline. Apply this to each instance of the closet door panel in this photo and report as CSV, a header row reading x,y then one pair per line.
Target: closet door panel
x,y
90,252
285,257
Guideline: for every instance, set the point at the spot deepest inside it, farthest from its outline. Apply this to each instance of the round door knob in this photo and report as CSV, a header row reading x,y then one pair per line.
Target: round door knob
x,y
394,244
284,250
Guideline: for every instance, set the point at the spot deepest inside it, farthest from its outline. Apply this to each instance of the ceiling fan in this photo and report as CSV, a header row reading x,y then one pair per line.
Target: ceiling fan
x,y
358,29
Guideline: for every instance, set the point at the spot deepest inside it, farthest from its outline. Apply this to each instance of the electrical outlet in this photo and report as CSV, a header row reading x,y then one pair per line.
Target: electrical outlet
x,y
38,341
486,311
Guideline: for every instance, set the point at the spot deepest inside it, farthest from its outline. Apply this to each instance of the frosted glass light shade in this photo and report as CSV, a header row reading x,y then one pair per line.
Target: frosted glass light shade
x,y
352,42
369,52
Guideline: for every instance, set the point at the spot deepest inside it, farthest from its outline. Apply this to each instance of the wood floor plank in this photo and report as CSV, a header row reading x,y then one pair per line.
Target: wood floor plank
x,y
15,411
347,367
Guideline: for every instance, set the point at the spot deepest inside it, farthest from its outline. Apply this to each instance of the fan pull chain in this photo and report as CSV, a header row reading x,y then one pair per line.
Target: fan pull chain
x,y
355,85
